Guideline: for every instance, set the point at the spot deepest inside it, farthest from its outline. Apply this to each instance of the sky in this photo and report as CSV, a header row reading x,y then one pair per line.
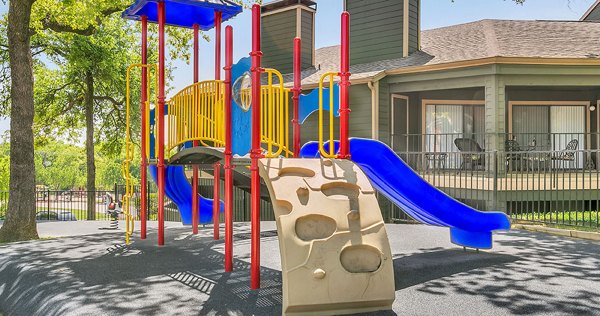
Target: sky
x,y
434,14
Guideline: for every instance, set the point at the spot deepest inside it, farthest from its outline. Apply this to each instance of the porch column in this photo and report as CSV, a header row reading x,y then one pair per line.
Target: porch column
x,y
495,112
495,128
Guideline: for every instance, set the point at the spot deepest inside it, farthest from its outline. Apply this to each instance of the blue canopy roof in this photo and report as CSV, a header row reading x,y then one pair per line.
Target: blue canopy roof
x,y
184,13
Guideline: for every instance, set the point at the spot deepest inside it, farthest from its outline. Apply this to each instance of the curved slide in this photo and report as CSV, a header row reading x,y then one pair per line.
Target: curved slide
x,y
179,190
399,183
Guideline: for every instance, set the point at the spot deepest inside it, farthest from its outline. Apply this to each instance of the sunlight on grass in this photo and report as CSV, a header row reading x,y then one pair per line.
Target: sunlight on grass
x,y
585,221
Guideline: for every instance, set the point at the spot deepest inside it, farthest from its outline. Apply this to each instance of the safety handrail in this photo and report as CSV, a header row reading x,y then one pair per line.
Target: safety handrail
x,y
331,76
196,113
275,116
129,146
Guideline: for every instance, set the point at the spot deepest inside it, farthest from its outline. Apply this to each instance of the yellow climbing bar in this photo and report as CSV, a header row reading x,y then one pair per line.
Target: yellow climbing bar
x,y
330,76
129,146
275,115
196,113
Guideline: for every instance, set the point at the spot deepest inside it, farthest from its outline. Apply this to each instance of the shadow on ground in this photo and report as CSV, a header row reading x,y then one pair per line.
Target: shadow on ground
x,y
526,274
66,276
93,274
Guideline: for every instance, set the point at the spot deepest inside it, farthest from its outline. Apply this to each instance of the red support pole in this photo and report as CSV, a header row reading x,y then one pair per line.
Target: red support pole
x,y
217,167
228,152
144,162
297,90
195,206
216,200
344,87
256,152
161,123
218,21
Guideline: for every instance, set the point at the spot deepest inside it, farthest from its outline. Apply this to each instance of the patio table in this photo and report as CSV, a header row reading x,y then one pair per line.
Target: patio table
x,y
438,160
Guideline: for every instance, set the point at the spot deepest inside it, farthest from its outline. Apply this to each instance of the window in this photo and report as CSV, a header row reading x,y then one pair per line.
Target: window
x,y
446,121
550,126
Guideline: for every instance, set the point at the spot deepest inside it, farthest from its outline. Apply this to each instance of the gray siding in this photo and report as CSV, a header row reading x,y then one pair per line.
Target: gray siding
x,y
414,26
307,39
360,117
278,32
376,30
384,111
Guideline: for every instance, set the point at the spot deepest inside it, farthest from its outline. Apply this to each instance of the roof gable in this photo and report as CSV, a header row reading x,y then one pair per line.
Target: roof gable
x,y
593,13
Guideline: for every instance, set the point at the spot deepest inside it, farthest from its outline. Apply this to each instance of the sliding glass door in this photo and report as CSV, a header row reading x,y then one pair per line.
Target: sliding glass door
x,y
551,128
444,123
567,125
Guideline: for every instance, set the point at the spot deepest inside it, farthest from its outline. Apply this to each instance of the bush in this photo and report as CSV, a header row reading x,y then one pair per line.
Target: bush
x,y
3,209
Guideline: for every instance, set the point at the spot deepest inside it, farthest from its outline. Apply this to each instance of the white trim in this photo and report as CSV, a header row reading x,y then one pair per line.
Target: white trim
x,y
406,28
299,23
314,49
374,86
301,6
597,126
393,114
419,25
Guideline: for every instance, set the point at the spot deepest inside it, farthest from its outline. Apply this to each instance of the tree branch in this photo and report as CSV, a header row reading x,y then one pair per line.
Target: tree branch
x,y
108,98
49,24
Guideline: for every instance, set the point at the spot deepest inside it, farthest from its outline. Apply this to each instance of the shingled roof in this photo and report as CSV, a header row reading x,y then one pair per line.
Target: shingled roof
x,y
476,41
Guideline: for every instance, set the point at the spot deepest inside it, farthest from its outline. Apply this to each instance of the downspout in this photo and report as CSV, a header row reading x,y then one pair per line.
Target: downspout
x,y
374,87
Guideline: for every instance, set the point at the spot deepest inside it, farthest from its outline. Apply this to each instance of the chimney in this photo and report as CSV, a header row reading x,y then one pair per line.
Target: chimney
x,y
282,21
383,29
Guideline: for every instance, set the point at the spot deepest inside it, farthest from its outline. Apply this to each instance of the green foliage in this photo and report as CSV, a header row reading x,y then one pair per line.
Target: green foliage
x,y
60,166
4,166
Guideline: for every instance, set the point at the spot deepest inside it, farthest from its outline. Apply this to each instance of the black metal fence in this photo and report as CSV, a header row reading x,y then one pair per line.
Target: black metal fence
x,y
72,205
65,205
552,187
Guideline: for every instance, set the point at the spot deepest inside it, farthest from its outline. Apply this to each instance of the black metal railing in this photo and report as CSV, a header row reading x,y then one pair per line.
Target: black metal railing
x,y
554,187
447,142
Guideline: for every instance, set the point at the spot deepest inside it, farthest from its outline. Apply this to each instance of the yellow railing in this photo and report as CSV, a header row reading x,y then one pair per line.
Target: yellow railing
x,y
331,82
196,113
129,146
275,116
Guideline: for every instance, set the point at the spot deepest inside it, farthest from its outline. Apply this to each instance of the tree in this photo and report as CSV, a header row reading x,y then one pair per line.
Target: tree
x,y
20,217
24,20
68,16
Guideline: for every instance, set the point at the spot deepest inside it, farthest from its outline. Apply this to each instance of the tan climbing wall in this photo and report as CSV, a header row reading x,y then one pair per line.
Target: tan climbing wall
x,y
335,254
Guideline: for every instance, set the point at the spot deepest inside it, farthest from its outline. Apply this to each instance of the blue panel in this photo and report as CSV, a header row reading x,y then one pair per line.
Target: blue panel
x,y
241,121
184,13
399,183
309,103
152,136
179,190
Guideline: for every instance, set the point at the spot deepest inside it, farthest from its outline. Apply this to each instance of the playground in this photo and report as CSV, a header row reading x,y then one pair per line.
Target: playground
x,y
89,273
329,250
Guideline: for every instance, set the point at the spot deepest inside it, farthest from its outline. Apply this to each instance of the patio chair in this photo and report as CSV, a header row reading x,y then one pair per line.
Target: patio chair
x,y
567,154
514,157
472,154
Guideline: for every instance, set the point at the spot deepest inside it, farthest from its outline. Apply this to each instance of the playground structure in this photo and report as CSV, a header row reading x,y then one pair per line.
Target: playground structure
x,y
330,228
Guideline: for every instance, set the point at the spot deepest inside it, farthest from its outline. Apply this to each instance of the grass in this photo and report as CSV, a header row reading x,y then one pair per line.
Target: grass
x,y
584,221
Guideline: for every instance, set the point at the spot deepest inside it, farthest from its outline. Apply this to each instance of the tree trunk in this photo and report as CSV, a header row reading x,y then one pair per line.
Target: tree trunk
x,y
89,145
20,221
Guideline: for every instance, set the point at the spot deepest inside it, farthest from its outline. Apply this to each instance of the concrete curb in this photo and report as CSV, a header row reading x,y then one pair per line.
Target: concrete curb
x,y
559,232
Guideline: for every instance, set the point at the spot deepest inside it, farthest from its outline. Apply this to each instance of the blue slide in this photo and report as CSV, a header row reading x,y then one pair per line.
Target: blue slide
x,y
179,190
399,183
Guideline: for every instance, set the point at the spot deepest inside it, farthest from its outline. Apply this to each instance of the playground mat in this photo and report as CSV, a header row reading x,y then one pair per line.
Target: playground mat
x,y
91,272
